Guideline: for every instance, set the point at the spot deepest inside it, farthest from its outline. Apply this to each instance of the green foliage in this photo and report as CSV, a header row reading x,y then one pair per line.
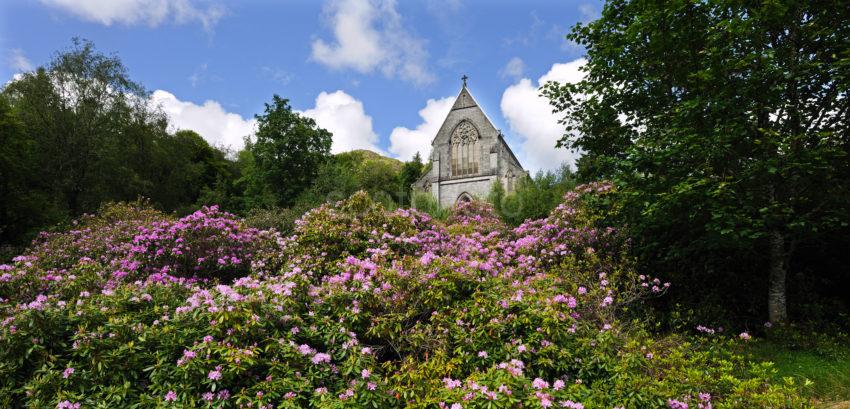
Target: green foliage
x,y
724,125
426,203
288,150
79,132
817,360
533,198
337,178
410,173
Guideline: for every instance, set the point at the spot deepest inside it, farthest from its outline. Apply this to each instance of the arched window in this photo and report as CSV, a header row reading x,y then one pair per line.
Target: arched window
x,y
465,149
464,197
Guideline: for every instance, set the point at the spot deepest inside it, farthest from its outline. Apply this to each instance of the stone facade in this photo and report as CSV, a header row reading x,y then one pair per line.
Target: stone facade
x,y
468,155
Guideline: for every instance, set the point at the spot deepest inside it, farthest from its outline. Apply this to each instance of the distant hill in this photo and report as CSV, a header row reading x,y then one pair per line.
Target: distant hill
x,y
365,157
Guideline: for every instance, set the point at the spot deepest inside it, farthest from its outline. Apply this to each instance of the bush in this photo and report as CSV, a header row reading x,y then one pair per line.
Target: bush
x,y
208,243
362,307
425,202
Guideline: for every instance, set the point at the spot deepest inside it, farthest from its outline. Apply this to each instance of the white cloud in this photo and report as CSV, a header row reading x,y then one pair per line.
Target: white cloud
x,y
404,142
369,35
150,12
513,69
344,116
210,120
530,116
18,61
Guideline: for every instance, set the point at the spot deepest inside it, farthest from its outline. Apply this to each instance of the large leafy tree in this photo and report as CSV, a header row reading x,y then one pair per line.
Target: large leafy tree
x,y
724,122
79,132
288,150
91,124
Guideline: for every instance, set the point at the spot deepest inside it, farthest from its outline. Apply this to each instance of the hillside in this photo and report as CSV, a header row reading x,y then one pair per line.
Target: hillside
x,y
366,157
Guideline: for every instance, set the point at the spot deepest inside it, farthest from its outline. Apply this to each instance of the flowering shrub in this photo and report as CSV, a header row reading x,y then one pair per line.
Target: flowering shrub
x,y
208,243
362,307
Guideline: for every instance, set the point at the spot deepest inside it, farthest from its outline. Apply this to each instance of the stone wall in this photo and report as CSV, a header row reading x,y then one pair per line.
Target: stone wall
x,y
477,186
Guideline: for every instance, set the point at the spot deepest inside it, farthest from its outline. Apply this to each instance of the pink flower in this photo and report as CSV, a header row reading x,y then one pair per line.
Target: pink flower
x,y
321,357
451,383
67,372
538,383
558,385
676,404
215,374
170,396
745,336
365,374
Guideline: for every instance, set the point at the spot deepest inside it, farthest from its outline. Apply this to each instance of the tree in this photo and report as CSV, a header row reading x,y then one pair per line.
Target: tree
x,y
724,124
189,169
410,173
288,150
24,207
91,125
79,132
534,197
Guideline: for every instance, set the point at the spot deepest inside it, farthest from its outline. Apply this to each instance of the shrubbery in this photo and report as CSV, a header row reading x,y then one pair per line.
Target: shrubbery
x,y
359,307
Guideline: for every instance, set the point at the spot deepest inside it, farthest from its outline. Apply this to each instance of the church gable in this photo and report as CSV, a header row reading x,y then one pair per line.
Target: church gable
x,y
468,155
465,108
464,100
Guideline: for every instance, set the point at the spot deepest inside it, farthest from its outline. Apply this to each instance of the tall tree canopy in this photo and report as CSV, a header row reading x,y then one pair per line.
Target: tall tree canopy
x,y
79,132
288,150
724,123
90,124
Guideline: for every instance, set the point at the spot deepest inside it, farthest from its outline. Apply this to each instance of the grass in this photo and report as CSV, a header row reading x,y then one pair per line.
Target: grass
x,y
822,359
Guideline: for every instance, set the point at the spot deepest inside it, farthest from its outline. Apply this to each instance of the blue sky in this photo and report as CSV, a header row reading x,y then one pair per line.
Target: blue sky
x,y
379,74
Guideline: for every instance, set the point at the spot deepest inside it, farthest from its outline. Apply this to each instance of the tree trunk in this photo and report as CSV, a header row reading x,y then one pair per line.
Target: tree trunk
x,y
776,303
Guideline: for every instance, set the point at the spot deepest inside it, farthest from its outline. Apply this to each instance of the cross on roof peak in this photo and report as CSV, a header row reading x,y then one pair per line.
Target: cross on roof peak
x,y
464,78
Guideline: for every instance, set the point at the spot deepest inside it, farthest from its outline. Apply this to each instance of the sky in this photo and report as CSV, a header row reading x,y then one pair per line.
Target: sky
x,y
379,74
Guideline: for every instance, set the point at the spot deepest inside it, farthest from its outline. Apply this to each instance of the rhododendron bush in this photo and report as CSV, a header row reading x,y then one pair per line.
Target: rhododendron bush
x,y
360,307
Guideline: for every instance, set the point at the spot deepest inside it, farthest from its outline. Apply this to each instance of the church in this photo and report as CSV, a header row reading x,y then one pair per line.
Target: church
x,y
468,155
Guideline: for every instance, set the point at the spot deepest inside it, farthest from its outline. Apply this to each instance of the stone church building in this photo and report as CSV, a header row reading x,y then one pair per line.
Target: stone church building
x,y
468,155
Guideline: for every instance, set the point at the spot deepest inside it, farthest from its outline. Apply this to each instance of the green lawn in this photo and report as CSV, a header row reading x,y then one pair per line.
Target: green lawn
x,y
823,360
